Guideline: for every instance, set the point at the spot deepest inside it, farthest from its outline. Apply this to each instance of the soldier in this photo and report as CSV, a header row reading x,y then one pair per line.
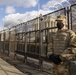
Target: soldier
x,y
63,47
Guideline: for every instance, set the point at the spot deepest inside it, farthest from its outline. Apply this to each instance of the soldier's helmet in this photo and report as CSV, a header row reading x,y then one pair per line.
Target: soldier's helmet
x,y
60,17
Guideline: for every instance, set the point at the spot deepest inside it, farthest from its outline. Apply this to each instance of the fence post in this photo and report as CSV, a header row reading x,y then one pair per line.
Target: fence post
x,y
25,57
15,44
9,43
41,40
68,16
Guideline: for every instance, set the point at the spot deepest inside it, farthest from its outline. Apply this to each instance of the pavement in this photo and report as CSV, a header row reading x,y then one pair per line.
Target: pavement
x,y
7,69
11,66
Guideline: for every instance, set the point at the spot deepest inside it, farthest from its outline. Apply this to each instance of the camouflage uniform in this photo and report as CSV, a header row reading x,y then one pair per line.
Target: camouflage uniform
x,y
64,44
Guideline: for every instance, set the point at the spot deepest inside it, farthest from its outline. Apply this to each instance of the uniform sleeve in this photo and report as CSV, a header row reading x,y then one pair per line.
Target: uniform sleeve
x,y
72,42
70,52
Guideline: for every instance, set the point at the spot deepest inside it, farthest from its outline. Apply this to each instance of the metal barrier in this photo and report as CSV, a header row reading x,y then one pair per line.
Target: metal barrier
x,y
33,38
73,17
36,36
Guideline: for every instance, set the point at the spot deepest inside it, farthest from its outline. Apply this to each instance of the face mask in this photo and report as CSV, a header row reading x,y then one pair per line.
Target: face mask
x,y
60,25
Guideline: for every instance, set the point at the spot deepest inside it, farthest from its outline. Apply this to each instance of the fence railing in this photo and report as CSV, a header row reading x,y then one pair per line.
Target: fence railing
x,y
33,38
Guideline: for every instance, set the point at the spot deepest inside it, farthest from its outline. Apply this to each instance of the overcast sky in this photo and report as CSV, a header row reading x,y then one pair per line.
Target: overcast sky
x,y
13,12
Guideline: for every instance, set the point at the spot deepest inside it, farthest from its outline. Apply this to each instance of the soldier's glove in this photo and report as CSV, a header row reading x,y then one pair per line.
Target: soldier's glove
x,y
55,58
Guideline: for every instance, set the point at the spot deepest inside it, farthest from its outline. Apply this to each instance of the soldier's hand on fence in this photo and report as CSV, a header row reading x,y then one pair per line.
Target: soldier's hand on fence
x,y
55,59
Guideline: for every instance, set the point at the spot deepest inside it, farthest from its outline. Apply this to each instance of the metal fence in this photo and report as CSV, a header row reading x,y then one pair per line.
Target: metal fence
x,y
33,38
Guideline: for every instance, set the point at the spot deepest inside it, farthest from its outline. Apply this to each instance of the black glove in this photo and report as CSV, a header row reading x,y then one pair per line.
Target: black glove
x,y
55,59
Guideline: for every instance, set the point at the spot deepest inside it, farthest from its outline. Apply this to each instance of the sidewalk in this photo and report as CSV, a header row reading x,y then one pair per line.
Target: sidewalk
x,y
7,69
29,68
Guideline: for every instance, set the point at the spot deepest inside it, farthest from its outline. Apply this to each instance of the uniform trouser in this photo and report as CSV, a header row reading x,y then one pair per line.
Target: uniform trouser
x,y
61,69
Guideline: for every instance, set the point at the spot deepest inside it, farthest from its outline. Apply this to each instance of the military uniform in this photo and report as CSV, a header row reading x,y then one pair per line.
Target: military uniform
x,y
63,44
